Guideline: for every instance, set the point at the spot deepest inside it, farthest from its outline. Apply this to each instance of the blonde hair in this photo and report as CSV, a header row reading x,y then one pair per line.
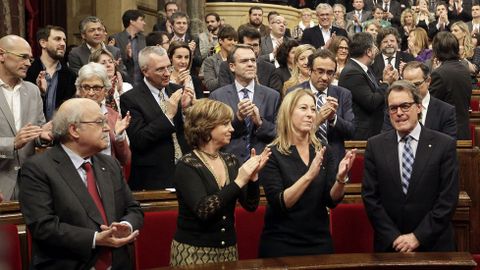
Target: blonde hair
x,y
285,125
404,14
296,70
468,48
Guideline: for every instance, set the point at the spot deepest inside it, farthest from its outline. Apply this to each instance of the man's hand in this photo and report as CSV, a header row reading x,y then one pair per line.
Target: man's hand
x,y
172,104
109,236
406,243
26,134
184,77
390,74
42,82
192,45
122,124
329,42
46,134
256,119
245,109
188,97
122,229
332,103
129,50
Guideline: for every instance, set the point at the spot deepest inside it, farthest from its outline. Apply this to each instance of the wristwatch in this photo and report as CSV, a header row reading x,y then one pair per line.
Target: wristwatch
x,y
346,180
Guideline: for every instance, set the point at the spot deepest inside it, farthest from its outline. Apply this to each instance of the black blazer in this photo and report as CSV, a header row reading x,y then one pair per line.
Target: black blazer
x,y
379,64
279,77
440,117
427,208
62,216
368,100
66,82
314,37
264,73
451,83
150,134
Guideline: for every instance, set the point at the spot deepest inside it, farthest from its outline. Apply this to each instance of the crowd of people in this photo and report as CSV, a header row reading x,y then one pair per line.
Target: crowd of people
x,y
218,114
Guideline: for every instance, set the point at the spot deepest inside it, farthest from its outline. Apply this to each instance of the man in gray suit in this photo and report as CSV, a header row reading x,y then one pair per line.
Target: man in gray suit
x,y
271,42
358,15
21,112
255,106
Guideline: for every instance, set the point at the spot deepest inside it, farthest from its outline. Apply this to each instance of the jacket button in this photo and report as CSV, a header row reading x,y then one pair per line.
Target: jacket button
x,y
223,243
224,217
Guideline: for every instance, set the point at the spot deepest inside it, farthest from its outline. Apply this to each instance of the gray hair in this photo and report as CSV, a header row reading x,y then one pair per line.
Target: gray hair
x,y
69,113
342,7
144,55
322,6
89,19
94,70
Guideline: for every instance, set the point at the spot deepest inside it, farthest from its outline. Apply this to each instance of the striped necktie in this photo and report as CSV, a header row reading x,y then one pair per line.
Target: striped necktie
x,y
248,125
322,129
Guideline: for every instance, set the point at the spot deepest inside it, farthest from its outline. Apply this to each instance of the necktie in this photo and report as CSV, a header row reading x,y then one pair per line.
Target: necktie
x,y
389,60
110,99
407,162
176,146
248,125
372,78
105,258
322,129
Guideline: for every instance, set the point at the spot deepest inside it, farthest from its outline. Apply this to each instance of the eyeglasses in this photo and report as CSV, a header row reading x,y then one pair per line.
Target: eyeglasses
x,y
24,56
405,107
321,72
280,22
101,122
94,88
417,84
164,70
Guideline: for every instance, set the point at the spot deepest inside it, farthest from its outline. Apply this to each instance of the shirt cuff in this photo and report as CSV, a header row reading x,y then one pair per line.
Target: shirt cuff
x,y
333,122
120,137
129,225
94,237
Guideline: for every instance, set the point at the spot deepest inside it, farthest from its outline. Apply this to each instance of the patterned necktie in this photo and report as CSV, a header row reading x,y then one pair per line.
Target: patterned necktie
x,y
372,78
248,124
176,146
322,129
389,60
407,162
110,98
105,259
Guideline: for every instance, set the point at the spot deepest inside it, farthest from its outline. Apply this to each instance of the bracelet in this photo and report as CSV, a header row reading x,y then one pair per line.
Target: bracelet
x,y
346,180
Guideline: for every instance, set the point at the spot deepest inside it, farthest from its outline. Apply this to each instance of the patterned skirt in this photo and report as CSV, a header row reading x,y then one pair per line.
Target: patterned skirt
x,y
184,254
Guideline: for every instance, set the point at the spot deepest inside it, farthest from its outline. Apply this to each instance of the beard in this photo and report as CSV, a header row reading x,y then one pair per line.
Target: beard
x,y
54,54
256,24
389,51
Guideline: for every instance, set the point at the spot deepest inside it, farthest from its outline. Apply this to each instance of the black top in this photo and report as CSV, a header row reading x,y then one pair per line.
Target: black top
x,y
304,228
205,212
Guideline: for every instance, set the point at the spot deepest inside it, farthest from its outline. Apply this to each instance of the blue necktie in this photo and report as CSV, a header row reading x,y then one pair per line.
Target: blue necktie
x,y
407,162
322,129
248,125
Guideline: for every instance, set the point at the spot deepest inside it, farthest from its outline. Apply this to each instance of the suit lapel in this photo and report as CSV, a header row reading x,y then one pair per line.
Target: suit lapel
x,y
392,159
269,44
233,97
422,157
148,100
432,113
25,105
72,179
105,187
5,109
258,96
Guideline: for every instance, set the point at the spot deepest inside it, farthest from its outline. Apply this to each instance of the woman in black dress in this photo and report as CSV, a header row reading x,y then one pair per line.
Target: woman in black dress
x,y
300,181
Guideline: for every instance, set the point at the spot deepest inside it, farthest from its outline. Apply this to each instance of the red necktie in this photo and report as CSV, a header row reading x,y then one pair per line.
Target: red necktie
x,y
105,259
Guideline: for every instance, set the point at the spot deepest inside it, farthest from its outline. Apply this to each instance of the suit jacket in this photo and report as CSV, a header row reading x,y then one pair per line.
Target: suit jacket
x,y
78,56
119,149
344,127
66,82
11,160
122,39
266,47
264,73
440,117
379,64
433,30
150,133
428,207
365,15
197,56
62,216
279,77
368,100
451,83
396,10
264,30
267,100
314,37
211,70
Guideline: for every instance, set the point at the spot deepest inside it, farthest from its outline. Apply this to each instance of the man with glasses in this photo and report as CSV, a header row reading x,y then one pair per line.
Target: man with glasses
x,y
436,114
368,94
334,103
255,106
410,186
156,134
76,203
22,122
50,72
271,42
320,35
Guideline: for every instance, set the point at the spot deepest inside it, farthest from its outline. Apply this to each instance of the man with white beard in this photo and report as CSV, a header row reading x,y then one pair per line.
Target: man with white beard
x,y
49,72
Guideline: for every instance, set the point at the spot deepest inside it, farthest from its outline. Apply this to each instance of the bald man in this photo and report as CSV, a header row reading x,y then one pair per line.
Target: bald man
x,y
21,112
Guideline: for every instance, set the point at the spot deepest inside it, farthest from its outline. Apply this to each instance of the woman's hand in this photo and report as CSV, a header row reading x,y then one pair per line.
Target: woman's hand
x,y
346,164
264,156
122,124
118,77
314,168
188,97
246,172
184,77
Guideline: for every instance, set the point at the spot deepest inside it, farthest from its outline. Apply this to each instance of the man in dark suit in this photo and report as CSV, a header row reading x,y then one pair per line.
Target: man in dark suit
x,y
255,106
131,41
75,201
165,26
270,43
451,81
388,39
180,23
93,35
359,15
367,93
156,127
52,76
442,23
410,191
436,114
335,104
251,37
393,9
320,35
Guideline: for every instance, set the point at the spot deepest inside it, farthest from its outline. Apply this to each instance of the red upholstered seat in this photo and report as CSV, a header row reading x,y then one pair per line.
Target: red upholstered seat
x,y
351,229
152,248
475,105
476,257
10,247
249,227
356,173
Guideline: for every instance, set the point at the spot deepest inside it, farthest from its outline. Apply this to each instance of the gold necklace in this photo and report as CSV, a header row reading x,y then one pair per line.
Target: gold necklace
x,y
209,155
217,179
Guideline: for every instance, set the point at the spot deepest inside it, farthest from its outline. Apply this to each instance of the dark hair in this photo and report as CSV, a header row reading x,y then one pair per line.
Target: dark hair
x,y
321,53
273,12
155,38
377,6
44,32
89,19
388,31
168,4
214,14
445,46
254,8
441,3
284,49
231,54
131,15
177,45
250,32
404,85
227,31
415,65
360,44
178,15
336,43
